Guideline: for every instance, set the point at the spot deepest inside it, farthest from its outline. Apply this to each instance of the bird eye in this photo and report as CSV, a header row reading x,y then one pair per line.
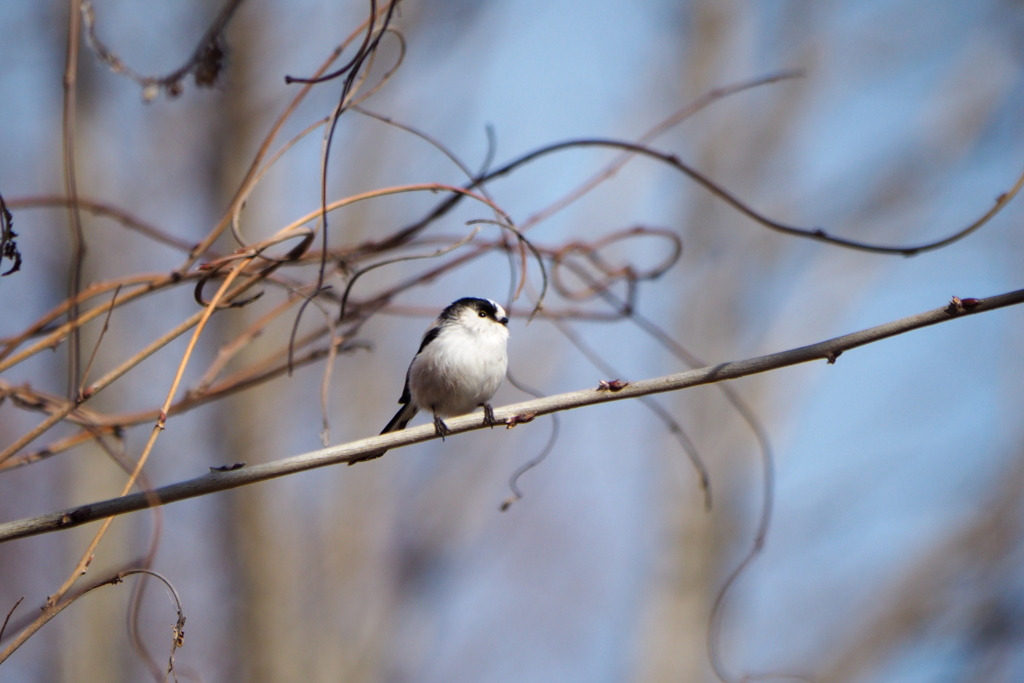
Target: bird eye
x,y
482,314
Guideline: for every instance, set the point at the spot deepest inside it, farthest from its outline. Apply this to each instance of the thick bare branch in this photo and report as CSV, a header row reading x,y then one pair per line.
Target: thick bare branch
x,y
512,415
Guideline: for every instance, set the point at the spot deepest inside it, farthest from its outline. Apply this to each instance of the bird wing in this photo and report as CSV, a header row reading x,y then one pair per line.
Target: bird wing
x,y
430,336
408,409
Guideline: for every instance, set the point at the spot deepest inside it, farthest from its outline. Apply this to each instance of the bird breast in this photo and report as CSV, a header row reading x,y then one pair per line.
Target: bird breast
x,y
459,370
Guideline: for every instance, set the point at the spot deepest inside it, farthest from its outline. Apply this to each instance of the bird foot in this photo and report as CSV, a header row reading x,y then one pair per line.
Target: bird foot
x,y
488,415
440,427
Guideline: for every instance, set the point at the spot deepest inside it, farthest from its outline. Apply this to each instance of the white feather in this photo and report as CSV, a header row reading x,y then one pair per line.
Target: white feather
x,y
460,365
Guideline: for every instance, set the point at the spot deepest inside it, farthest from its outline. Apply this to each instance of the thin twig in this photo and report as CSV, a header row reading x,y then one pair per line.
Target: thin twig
x,y
7,619
817,234
96,346
71,190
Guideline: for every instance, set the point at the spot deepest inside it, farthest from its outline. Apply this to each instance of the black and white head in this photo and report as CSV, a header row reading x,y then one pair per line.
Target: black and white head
x,y
477,315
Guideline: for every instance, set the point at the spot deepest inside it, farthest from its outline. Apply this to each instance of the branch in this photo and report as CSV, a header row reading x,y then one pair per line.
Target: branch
x,y
512,415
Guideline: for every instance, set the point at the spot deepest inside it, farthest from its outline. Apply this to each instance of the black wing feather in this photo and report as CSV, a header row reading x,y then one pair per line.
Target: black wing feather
x,y
430,336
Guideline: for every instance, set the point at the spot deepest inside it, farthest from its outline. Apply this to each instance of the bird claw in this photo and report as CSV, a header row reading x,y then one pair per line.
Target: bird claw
x,y
489,415
440,428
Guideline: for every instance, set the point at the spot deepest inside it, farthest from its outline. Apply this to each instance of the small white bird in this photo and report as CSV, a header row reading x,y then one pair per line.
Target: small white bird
x,y
460,365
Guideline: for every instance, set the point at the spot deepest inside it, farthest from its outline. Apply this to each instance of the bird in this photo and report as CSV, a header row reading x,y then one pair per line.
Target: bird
x,y
460,364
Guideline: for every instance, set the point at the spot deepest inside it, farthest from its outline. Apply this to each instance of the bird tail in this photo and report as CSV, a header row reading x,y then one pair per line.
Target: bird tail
x,y
399,421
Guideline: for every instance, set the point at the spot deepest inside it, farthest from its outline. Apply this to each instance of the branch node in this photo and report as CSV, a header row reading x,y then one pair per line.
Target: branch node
x,y
521,418
612,385
228,468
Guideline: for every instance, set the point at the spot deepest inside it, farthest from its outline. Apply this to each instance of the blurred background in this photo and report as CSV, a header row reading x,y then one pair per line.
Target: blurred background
x,y
895,547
